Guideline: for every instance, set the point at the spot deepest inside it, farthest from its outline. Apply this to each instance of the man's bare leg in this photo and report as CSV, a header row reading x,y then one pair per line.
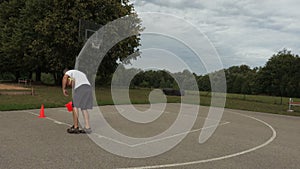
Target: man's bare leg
x,y
75,117
86,119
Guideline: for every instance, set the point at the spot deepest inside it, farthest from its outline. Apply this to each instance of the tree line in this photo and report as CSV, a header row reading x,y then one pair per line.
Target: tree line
x,y
280,76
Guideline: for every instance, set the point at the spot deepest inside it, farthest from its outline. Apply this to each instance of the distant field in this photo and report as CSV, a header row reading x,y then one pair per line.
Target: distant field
x,y
53,97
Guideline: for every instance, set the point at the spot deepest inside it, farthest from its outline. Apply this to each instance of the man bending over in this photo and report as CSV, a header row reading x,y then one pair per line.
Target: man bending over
x,y
82,98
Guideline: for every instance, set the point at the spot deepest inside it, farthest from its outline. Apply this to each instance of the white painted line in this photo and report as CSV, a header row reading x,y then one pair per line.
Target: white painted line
x,y
167,112
274,134
65,111
58,122
192,131
107,138
55,121
134,145
69,125
32,113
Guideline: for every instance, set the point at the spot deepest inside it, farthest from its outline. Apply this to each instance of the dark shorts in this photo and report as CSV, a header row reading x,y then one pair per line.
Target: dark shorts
x,y
83,97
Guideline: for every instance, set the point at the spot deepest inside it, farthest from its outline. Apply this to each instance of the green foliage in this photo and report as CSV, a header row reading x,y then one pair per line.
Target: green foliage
x,y
47,78
155,79
6,77
239,79
42,35
203,83
11,41
280,76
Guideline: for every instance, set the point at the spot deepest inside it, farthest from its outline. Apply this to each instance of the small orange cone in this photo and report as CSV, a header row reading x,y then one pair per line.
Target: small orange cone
x,y
42,112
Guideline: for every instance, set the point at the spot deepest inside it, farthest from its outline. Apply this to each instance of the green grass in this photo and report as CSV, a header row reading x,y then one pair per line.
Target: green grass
x,y
52,97
267,104
49,96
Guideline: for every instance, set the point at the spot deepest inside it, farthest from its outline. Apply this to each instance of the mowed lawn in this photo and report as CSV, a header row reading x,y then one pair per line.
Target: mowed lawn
x,y
52,97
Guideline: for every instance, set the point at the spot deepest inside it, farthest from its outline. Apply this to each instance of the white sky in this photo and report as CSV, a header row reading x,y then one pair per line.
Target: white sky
x,y
242,31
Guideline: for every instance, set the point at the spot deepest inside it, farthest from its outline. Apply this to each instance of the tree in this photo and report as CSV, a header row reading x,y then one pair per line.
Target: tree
x,y
240,79
203,83
11,46
279,73
35,58
42,35
61,25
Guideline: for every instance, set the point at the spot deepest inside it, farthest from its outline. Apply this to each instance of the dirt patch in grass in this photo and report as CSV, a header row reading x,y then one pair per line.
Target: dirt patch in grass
x,y
12,87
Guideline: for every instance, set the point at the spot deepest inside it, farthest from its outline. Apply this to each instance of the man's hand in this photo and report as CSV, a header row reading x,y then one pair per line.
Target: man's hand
x,y
65,92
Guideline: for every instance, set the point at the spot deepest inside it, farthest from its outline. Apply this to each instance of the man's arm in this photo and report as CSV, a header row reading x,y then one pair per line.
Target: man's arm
x,y
64,85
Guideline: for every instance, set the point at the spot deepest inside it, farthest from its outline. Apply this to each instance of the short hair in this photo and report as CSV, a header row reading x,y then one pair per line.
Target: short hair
x,y
65,70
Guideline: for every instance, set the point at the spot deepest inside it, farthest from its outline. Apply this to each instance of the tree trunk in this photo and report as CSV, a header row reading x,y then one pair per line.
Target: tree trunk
x,y
57,78
30,76
38,74
17,75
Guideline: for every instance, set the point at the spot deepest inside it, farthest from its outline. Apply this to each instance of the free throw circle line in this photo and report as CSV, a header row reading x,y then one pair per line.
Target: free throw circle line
x,y
274,134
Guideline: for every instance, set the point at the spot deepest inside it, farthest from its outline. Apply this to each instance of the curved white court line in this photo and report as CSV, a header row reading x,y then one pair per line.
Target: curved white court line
x,y
274,134
175,135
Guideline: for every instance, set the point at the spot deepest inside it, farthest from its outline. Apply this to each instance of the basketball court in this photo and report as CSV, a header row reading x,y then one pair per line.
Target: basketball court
x,y
242,140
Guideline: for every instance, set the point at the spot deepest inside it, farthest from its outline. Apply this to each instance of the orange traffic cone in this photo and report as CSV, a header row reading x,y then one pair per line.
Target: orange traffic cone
x,y
42,112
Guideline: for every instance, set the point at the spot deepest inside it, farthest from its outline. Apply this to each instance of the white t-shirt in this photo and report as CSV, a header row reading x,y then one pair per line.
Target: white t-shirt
x,y
79,78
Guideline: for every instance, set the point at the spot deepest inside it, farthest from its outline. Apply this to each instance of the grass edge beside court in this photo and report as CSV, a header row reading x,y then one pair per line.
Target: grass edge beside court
x,y
52,97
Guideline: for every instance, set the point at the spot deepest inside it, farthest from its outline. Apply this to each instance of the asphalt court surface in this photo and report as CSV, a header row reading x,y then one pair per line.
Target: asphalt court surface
x,y
242,140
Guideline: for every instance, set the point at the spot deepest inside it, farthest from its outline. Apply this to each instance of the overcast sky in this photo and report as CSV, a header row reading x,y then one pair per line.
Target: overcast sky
x,y
242,31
